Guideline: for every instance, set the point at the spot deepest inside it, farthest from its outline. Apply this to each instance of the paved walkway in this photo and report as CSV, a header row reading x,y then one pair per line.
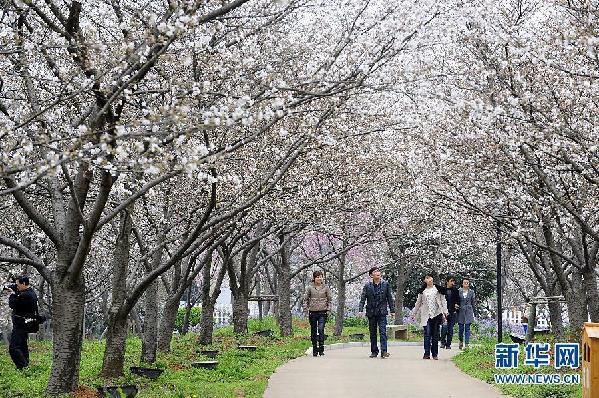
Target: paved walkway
x,y
349,373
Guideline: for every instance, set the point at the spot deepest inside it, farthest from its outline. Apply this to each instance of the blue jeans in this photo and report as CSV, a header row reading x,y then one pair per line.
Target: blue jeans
x,y
447,330
317,320
431,336
380,322
463,326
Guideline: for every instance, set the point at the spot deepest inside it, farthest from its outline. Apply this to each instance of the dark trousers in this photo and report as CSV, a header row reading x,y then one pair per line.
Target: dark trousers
x,y
317,321
447,330
377,322
431,336
19,352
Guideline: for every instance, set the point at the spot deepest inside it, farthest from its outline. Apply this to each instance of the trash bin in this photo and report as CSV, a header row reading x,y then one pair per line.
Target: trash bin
x,y
590,360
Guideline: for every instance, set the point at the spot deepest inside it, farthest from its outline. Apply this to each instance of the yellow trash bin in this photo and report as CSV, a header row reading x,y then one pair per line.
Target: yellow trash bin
x,y
590,360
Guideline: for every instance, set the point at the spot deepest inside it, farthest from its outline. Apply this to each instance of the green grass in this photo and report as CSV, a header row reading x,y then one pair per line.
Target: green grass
x,y
479,362
239,373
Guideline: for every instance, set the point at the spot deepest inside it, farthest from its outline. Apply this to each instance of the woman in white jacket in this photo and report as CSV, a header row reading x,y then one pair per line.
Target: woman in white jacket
x,y
430,312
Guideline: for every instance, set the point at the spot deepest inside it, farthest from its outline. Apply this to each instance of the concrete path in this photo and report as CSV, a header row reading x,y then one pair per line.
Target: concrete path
x,y
349,373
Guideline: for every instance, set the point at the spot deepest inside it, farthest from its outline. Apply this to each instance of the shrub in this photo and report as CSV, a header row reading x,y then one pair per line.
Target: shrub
x,y
194,317
355,321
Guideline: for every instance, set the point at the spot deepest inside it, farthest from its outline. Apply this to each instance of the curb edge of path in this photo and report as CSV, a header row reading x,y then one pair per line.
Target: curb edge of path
x,y
337,346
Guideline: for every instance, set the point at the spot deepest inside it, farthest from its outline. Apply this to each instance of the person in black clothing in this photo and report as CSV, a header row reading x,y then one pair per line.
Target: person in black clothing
x,y
377,296
453,300
23,302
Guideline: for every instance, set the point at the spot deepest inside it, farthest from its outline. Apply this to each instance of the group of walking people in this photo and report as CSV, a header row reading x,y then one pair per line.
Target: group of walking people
x,y
441,307
438,308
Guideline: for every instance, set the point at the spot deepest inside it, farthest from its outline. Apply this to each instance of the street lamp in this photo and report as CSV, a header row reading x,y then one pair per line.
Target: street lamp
x,y
499,277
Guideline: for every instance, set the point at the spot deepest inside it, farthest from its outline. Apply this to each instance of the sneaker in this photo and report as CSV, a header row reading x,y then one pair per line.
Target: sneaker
x,y
385,355
426,357
436,358
374,354
448,347
461,345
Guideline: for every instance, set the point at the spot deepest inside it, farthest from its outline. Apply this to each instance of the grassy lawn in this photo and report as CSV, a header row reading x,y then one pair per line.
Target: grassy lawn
x,y
239,373
479,362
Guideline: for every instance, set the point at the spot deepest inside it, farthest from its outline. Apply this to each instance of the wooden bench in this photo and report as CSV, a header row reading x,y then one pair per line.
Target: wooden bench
x,y
400,332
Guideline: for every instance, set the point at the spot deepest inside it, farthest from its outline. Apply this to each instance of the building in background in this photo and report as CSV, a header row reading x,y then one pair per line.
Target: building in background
x,y
518,316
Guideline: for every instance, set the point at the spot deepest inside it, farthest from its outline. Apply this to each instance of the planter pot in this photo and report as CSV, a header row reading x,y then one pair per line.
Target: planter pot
x,y
150,373
357,336
265,333
248,347
118,391
209,353
205,364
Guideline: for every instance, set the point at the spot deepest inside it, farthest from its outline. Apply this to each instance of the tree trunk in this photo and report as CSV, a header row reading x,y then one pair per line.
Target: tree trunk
x,y
401,280
209,301
341,297
67,316
167,323
150,329
532,322
284,290
136,322
577,309
589,282
340,312
188,307
240,313
114,353
207,323
259,293
555,317
6,331
45,331
571,290
274,305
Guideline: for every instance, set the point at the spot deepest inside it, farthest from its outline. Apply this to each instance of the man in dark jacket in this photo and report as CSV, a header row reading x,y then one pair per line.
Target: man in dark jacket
x,y
23,302
377,296
453,299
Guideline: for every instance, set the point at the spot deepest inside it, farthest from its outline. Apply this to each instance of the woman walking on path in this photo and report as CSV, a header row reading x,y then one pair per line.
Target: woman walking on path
x,y
430,311
317,303
466,314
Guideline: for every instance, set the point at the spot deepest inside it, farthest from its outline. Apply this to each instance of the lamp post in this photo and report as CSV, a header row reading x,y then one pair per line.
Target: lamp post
x,y
499,278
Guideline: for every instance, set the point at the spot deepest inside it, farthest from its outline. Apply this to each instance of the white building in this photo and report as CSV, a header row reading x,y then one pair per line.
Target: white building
x,y
514,316
224,308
